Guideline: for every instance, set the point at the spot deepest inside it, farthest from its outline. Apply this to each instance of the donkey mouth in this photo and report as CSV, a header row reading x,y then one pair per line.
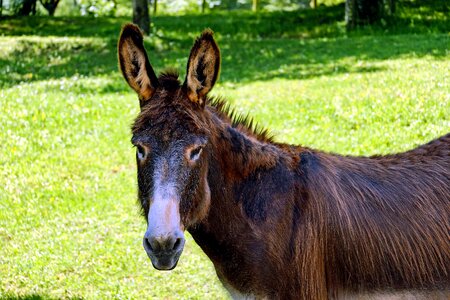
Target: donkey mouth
x,y
164,262
164,259
164,267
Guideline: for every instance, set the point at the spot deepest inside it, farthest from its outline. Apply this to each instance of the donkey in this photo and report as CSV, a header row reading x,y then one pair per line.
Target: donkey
x,y
281,221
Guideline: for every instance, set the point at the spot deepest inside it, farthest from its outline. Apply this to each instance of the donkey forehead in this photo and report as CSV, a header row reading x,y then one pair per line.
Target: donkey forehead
x,y
168,122
167,129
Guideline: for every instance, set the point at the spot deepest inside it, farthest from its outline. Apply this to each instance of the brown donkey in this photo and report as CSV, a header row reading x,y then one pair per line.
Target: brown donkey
x,y
281,221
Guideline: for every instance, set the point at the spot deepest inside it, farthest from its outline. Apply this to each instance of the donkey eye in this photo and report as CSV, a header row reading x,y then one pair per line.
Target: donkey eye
x,y
195,153
140,151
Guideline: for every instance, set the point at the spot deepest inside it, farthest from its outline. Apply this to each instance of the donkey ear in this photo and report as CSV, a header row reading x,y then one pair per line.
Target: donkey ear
x,y
134,63
202,68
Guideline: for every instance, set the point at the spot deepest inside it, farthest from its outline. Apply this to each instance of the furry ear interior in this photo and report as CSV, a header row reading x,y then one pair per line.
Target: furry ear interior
x,y
134,63
202,68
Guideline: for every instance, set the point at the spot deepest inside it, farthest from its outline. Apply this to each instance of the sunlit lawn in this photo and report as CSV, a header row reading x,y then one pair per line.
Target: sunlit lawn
x,y
69,223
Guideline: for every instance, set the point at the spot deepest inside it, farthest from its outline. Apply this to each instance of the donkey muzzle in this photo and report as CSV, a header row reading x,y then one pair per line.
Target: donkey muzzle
x,y
164,250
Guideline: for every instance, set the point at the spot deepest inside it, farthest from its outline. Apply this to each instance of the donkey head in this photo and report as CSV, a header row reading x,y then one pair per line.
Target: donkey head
x,y
171,139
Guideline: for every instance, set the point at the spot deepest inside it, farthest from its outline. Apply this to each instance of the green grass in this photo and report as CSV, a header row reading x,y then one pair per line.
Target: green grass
x,y
69,223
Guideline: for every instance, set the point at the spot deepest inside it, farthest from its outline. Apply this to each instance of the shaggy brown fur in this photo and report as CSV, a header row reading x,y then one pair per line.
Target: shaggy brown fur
x,y
290,222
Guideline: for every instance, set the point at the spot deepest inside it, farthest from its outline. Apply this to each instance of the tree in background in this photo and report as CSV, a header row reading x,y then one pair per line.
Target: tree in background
x,y
50,6
203,6
391,7
155,6
141,16
255,5
25,7
362,12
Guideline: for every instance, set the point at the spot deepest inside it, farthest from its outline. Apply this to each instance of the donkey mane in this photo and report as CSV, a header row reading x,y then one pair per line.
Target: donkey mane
x,y
243,123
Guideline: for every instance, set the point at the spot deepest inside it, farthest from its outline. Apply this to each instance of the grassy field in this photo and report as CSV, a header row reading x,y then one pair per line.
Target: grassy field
x,y
69,223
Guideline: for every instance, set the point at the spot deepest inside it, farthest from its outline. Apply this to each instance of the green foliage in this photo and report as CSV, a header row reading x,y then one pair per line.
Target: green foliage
x,y
69,223
97,7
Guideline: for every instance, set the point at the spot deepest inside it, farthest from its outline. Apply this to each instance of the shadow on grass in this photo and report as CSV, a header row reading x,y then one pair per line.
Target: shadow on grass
x,y
242,61
422,16
35,297
296,59
35,60
245,24
254,46
61,26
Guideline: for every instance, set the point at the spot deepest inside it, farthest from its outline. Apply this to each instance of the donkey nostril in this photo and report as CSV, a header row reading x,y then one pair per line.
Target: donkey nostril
x,y
177,244
160,244
147,244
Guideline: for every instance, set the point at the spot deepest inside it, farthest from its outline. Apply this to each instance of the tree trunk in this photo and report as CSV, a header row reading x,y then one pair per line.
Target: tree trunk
x,y
371,11
141,15
350,14
363,12
51,10
155,6
314,3
203,6
28,7
255,5
50,6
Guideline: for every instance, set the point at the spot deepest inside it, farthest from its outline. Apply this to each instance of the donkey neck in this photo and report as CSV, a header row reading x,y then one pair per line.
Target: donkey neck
x,y
243,175
239,154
